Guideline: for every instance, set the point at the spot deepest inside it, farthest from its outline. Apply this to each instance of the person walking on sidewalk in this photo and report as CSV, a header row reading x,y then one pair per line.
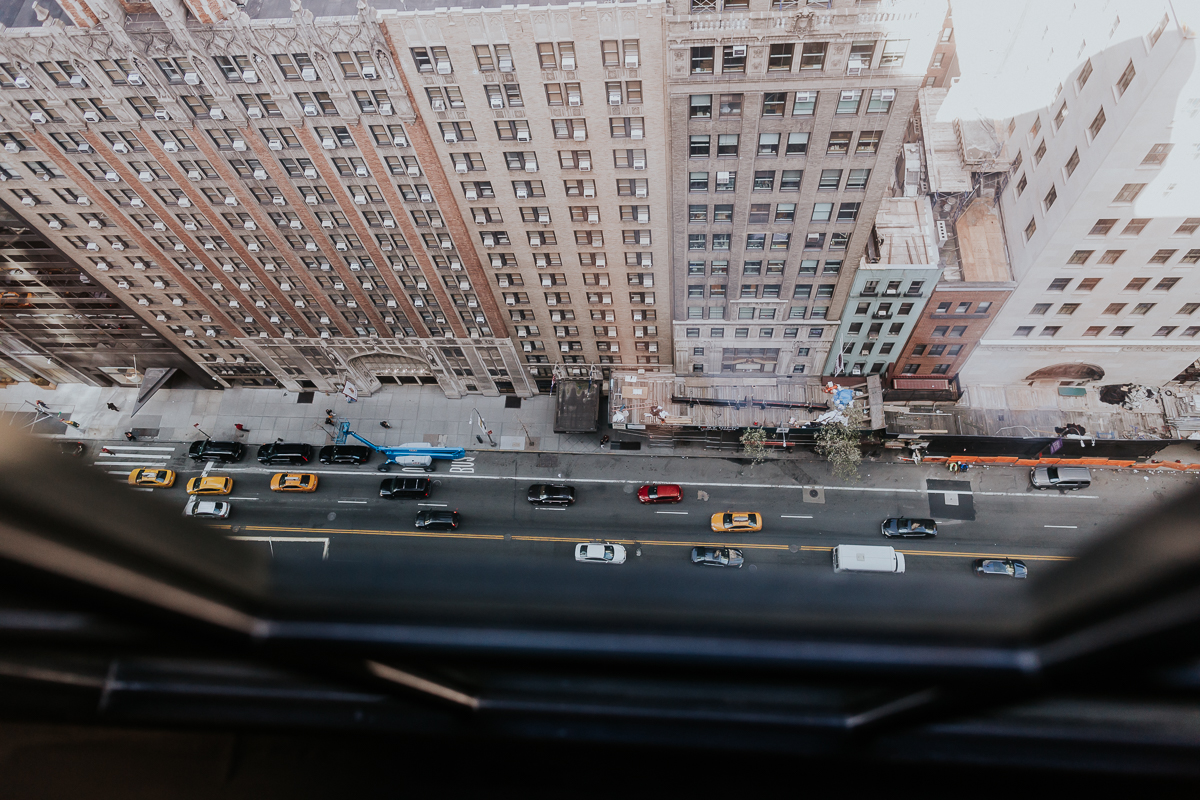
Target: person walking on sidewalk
x,y
239,426
106,450
112,407
385,424
129,435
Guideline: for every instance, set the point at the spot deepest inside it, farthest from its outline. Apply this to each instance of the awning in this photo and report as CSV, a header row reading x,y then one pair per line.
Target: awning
x,y
153,380
929,384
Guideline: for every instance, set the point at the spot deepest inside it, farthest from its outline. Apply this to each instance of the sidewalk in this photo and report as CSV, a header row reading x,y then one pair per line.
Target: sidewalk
x,y
416,414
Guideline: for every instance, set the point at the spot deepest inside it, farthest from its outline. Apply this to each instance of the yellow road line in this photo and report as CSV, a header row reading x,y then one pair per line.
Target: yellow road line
x,y
661,542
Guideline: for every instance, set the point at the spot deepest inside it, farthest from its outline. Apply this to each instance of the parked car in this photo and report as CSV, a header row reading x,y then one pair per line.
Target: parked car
x,y
1060,477
867,558
405,487
206,509
660,493
551,494
1006,567
736,521
599,553
285,453
431,520
906,528
163,478
345,454
210,450
210,484
717,557
293,482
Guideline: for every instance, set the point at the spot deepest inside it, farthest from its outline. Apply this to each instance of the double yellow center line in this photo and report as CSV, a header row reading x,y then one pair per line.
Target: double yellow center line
x,y
637,542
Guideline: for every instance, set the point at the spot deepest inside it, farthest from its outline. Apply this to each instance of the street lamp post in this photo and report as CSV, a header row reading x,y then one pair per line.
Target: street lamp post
x,y
483,427
197,427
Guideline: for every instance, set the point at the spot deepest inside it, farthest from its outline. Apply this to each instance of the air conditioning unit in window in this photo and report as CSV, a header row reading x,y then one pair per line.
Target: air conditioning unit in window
x,y
94,224
162,116
312,199
112,177
93,246
426,197
535,241
310,247
162,226
594,219
249,76
368,72
847,96
522,194
253,247
640,191
216,113
191,78
194,175
12,147
460,166
887,95
37,117
308,74
580,134
239,145
231,201
585,165
209,246
134,78
248,225
279,201
643,217
187,226
614,98
450,138
360,199
531,166
341,246
497,102
136,202
488,239
77,82
600,260
414,172
438,104
254,112
639,163
522,136
22,82
145,176
539,260
180,247
55,225
310,110
444,68
260,174
183,202
294,225
274,144
170,147
385,109
388,222
91,116
631,61
568,63
647,260
399,141
362,172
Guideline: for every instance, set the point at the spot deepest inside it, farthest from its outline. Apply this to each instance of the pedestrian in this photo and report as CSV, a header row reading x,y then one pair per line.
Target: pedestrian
x,y
329,420
71,422
112,407
385,424
106,450
129,435
241,428
329,412
604,440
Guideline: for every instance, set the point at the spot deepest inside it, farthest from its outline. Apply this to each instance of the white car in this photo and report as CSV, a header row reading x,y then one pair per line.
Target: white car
x,y
600,553
207,509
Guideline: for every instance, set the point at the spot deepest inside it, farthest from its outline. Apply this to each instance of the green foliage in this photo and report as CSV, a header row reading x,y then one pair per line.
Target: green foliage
x,y
753,444
839,442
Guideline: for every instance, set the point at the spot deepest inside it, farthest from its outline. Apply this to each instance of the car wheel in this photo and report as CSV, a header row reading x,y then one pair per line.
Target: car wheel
x,y
384,467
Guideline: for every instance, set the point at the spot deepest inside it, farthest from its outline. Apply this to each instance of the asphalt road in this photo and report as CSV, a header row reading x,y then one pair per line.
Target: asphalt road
x,y
981,514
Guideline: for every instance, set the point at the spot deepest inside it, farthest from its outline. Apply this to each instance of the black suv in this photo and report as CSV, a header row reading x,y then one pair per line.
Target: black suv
x,y
209,450
404,487
345,454
437,520
285,453
551,494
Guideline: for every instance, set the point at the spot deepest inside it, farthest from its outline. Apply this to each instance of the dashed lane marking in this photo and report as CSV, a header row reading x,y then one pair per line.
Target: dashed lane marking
x,y
355,502
795,516
1060,526
672,512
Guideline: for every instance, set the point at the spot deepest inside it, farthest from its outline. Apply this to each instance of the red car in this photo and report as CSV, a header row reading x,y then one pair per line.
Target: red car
x,y
662,493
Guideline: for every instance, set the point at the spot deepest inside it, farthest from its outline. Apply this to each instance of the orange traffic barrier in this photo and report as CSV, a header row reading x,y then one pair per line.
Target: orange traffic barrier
x,y
1027,462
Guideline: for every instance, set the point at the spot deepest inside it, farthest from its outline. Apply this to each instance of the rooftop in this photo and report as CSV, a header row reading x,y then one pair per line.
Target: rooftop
x,y
982,256
904,226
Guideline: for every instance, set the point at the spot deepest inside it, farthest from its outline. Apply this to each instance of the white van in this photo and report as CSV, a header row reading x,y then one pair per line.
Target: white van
x,y
867,558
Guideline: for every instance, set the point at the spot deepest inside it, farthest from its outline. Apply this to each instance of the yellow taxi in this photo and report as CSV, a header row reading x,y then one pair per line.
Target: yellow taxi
x,y
210,484
161,478
293,482
736,521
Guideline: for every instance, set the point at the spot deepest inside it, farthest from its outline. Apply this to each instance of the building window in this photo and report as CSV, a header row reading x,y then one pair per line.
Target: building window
x,y
1030,229
1072,163
702,60
1125,79
780,57
1080,256
773,104
805,104
1120,330
1097,123
1022,331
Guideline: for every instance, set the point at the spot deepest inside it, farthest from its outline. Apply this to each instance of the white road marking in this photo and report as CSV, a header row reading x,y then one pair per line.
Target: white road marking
x,y
207,468
359,502
544,508
152,456
671,512
795,516
138,447
1060,526
438,505
126,464
142,489
245,498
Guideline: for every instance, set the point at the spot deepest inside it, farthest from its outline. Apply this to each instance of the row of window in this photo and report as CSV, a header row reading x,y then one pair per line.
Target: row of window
x,y
763,333
789,180
551,55
757,241
1134,285
803,104
782,57
774,267
1117,331
541,214
508,95
1112,309
1133,228
728,144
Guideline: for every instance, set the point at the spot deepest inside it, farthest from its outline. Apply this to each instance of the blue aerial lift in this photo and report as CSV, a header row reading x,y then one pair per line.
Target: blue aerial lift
x,y
405,455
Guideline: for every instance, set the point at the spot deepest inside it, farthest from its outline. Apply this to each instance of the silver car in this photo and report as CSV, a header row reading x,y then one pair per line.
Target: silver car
x,y
717,557
206,509
599,553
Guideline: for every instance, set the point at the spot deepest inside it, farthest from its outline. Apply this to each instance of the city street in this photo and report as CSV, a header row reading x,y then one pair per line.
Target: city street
x,y
983,513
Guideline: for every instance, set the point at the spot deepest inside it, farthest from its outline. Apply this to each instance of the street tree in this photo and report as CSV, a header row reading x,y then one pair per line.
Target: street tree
x,y
754,444
839,443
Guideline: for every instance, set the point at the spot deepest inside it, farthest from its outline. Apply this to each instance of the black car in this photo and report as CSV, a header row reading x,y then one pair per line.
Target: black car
x,y
404,487
437,520
285,453
551,494
345,454
210,450
906,528
1004,567
717,557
